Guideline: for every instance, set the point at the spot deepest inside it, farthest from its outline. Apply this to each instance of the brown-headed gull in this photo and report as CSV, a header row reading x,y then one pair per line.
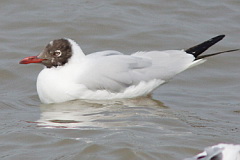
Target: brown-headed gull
x,y
69,74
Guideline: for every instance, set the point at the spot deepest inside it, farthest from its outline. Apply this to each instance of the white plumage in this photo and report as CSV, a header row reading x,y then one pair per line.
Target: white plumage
x,y
110,74
219,152
70,74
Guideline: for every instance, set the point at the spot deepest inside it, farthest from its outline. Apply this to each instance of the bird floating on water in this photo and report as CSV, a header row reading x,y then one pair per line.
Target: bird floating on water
x,y
69,74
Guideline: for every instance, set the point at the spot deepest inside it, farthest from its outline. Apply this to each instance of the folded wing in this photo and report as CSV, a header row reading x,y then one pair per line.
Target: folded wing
x,y
114,71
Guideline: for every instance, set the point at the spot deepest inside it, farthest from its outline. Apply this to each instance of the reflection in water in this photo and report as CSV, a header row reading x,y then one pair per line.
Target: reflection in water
x,y
103,114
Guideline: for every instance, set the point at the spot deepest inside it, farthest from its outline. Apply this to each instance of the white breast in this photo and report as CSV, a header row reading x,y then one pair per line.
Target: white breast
x,y
53,87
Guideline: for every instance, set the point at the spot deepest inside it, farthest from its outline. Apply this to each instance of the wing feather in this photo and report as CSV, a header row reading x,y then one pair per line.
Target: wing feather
x,y
114,71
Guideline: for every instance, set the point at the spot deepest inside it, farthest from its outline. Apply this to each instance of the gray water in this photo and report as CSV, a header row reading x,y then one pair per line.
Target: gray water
x,y
198,108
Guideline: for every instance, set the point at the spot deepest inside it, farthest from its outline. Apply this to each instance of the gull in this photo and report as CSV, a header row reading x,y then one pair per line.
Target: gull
x,y
69,74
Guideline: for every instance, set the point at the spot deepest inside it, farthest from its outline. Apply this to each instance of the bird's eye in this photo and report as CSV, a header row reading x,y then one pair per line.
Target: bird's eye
x,y
57,53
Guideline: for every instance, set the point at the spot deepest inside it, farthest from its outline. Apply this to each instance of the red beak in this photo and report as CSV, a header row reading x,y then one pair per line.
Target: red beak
x,y
32,59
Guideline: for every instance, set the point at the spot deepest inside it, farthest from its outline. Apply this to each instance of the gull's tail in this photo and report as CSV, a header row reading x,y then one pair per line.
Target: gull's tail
x,y
199,49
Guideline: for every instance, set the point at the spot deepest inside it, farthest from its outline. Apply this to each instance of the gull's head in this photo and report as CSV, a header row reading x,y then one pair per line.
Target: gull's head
x,y
57,53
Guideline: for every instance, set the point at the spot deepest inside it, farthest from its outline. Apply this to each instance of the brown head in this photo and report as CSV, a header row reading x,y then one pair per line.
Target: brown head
x,y
56,53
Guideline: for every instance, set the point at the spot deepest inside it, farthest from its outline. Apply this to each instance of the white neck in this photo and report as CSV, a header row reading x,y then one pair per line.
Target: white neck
x,y
77,53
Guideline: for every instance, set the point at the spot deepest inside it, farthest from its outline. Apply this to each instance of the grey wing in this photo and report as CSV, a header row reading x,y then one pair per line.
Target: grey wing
x,y
113,71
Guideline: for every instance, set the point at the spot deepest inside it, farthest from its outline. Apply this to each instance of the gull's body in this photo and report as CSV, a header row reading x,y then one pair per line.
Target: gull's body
x,y
70,74
110,75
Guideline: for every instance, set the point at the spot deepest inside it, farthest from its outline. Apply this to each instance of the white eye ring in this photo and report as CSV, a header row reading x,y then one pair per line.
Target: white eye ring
x,y
57,53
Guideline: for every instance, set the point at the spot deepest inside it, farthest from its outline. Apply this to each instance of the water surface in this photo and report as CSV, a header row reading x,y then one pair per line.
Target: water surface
x,y
198,108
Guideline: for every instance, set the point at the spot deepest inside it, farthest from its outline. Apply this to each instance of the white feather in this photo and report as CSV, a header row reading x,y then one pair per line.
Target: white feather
x,y
110,74
219,152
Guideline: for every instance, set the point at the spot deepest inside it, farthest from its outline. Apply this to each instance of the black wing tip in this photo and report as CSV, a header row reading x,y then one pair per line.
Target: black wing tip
x,y
219,37
199,49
